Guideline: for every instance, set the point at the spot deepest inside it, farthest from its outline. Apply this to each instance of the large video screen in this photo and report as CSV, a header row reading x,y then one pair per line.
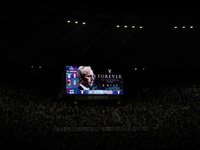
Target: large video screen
x,y
83,80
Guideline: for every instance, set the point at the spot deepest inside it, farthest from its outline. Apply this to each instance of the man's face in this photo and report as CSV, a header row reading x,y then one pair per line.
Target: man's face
x,y
88,79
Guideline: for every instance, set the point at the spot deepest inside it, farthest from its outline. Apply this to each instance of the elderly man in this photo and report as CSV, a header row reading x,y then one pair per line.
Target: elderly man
x,y
86,77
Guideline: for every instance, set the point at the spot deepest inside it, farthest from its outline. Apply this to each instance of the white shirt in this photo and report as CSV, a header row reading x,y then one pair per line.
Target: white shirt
x,y
84,88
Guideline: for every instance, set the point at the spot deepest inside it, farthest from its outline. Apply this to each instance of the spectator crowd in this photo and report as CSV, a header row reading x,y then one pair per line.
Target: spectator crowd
x,y
170,115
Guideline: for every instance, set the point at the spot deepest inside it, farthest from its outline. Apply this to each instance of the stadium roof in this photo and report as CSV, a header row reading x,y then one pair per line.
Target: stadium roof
x,y
49,33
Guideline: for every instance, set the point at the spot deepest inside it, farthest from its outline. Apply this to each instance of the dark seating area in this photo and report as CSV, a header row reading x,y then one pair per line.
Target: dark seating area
x,y
170,116
140,76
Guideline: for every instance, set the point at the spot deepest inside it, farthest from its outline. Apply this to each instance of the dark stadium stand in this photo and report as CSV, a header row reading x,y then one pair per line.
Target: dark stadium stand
x,y
163,117
161,102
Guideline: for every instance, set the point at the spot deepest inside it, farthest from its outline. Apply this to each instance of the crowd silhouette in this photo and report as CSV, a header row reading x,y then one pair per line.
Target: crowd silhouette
x,y
169,114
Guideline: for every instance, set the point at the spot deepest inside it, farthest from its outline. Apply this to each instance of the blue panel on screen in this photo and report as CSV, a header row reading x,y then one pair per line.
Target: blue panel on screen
x,y
86,80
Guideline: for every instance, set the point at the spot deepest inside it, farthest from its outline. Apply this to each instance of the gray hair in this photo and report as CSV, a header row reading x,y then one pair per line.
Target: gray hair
x,y
81,71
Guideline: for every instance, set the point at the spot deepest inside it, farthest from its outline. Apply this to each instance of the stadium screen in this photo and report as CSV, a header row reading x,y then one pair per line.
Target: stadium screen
x,y
84,80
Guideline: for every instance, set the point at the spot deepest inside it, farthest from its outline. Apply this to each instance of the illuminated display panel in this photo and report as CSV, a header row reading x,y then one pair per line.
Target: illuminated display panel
x,y
85,80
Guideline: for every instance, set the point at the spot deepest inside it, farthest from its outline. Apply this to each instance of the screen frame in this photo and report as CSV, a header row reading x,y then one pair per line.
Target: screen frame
x,y
93,93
